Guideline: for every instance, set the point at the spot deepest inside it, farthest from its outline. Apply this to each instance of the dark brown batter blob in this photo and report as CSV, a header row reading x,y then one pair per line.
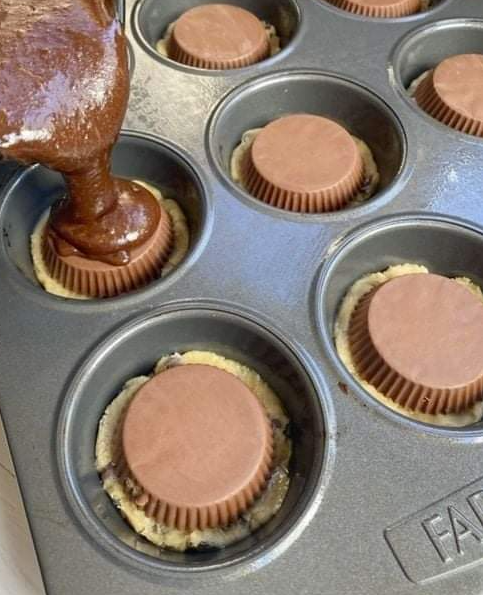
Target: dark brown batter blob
x,y
197,446
419,340
63,95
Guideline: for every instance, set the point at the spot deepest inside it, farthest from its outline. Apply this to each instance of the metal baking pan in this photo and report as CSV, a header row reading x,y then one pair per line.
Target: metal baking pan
x,y
378,504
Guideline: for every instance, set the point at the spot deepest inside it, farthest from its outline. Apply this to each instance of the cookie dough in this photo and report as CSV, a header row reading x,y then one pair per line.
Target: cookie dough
x,y
108,445
273,38
350,301
416,82
180,248
370,168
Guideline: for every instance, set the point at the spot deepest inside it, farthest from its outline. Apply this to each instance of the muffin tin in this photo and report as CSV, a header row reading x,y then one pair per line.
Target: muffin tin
x,y
378,503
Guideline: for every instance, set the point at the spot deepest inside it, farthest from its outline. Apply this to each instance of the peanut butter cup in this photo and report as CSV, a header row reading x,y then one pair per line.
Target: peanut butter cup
x,y
65,112
97,279
418,339
218,36
380,8
197,447
453,93
303,163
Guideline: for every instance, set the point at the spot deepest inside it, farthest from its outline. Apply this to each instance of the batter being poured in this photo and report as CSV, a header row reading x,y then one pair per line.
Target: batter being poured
x,y
64,87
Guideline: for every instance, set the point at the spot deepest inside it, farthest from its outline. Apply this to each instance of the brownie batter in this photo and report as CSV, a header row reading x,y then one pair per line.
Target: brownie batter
x,y
63,95
414,84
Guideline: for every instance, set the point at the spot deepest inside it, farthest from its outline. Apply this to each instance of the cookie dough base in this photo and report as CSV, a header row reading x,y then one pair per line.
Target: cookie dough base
x,y
349,303
371,173
416,82
180,246
273,38
108,445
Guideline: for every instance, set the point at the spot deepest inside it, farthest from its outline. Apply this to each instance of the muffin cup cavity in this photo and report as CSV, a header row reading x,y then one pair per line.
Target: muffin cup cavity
x,y
28,196
358,110
133,351
152,21
444,246
419,52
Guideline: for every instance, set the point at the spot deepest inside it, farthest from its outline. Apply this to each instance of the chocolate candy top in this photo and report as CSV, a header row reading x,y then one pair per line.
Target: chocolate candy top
x,y
198,443
218,36
453,93
380,8
419,339
304,162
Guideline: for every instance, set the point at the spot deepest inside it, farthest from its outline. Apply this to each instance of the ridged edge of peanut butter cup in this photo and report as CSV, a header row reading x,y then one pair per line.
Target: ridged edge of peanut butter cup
x,y
264,185
434,104
187,52
191,518
373,368
97,279
393,9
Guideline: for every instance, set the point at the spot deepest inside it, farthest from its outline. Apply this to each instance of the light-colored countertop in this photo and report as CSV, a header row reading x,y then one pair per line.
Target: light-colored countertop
x,y
19,570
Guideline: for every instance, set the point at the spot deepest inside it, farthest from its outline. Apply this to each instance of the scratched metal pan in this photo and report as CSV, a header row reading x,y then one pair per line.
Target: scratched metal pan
x,y
378,504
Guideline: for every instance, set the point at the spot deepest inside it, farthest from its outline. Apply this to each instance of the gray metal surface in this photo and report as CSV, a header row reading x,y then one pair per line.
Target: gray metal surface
x,y
379,505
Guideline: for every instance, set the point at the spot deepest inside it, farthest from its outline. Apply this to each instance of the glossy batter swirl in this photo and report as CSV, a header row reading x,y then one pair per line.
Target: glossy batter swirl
x,y
64,88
